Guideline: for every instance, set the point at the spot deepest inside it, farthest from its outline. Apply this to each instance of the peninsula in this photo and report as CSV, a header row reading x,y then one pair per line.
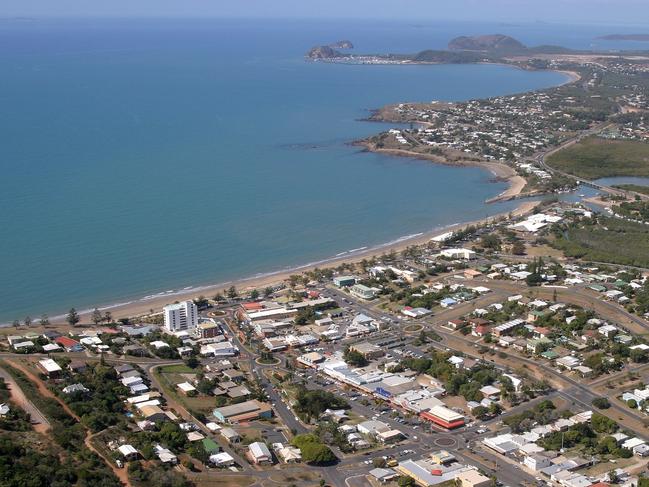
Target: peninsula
x,y
606,95
625,37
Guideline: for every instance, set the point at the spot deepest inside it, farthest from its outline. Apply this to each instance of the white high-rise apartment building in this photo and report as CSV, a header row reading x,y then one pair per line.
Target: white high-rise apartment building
x,y
181,316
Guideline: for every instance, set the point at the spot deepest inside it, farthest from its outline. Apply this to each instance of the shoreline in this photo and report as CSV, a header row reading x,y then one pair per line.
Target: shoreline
x,y
501,171
142,306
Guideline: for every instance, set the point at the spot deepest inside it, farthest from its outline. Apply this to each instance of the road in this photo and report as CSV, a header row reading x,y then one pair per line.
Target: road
x,y
574,391
38,419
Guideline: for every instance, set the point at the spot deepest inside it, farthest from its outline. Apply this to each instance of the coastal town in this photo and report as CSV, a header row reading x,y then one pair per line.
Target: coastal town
x,y
483,357
511,351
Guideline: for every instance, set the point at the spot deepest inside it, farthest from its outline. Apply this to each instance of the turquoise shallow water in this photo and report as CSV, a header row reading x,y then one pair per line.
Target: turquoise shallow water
x,y
141,156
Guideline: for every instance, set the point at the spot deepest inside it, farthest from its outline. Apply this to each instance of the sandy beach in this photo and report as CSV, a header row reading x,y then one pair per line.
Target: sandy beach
x,y
143,307
140,307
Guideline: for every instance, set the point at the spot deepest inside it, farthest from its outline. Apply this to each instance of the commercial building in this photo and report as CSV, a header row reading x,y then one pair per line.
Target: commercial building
x,y
367,350
363,292
427,474
180,316
458,253
245,411
473,478
208,329
270,314
344,281
444,417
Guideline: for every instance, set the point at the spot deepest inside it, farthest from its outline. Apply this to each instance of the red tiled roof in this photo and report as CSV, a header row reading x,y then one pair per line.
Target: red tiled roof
x,y
66,342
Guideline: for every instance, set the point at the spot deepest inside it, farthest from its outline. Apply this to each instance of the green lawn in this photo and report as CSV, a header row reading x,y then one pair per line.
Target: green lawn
x,y
177,369
170,376
595,157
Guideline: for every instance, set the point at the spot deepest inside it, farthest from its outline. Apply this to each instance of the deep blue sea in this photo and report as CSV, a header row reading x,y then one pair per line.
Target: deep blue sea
x,y
141,156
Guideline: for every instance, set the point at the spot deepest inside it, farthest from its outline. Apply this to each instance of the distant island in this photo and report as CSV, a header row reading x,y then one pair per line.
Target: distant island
x,y
323,52
463,49
491,42
625,37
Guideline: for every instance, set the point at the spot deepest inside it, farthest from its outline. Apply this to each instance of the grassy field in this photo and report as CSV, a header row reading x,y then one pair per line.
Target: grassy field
x,y
610,240
633,187
595,157
170,376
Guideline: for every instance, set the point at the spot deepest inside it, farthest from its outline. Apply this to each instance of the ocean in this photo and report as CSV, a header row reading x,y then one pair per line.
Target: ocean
x,y
143,156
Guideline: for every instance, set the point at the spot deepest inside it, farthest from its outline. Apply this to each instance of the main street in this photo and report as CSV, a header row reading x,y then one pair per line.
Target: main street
x,y
574,391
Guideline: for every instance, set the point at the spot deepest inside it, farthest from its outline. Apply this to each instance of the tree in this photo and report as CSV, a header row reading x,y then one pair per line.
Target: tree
x,y
201,302
491,241
268,292
354,358
73,317
232,292
28,321
405,481
638,355
254,295
601,403
192,362
534,279
481,412
379,462
518,248
603,424
45,321
312,450
97,317
108,317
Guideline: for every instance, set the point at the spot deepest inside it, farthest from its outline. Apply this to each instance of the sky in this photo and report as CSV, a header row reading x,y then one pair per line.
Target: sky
x,y
574,11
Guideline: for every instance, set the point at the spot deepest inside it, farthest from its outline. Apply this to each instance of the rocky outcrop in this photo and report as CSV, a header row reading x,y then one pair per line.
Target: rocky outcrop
x,y
494,42
322,52
342,45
